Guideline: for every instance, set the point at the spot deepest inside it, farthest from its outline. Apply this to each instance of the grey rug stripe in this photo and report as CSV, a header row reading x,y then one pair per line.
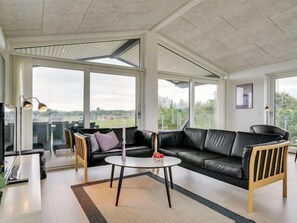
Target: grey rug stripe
x,y
95,216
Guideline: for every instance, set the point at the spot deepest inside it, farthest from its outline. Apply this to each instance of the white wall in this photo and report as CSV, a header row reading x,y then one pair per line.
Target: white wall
x,y
242,119
2,65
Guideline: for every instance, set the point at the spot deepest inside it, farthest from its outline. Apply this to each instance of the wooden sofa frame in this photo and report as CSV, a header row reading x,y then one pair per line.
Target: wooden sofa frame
x,y
81,154
268,164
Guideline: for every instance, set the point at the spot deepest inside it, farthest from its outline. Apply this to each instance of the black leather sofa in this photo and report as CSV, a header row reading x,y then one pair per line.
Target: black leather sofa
x,y
139,143
223,155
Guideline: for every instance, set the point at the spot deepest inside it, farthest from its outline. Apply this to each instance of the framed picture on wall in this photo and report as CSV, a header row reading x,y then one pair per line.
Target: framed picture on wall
x,y
244,96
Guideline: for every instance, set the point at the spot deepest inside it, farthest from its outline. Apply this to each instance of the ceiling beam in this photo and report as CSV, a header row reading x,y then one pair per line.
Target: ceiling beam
x,y
124,48
179,12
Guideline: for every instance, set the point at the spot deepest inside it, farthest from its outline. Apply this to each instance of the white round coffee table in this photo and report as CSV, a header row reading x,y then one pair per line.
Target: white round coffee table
x,y
142,163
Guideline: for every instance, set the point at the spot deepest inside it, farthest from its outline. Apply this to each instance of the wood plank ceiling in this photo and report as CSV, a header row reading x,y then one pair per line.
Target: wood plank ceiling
x,y
231,34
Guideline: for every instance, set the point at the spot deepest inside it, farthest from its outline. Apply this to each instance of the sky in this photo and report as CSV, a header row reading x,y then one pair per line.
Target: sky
x,y
202,93
287,85
62,89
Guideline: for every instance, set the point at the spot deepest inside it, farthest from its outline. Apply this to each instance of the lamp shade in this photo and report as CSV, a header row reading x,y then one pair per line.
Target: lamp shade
x,y
42,107
27,105
267,109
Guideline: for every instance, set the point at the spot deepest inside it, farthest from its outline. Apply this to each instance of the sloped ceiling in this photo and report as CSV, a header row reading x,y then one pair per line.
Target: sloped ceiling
x,y
231,34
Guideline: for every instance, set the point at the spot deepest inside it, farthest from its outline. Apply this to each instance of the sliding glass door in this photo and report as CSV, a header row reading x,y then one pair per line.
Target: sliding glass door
x,y
62,91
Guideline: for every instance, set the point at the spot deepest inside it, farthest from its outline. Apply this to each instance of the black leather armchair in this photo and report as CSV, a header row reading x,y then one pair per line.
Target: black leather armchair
x,y
270,129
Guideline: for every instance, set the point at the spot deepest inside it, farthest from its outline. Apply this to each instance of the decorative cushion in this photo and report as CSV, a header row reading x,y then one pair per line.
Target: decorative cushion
x,y
95,145
107,141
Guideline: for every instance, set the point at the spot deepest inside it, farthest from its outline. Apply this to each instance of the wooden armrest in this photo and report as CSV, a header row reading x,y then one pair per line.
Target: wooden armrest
x,y
81,153
268,164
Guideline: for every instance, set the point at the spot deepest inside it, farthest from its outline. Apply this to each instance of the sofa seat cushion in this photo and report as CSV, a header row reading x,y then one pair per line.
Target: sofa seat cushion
x,y
197,158
173,151
229,166
130,151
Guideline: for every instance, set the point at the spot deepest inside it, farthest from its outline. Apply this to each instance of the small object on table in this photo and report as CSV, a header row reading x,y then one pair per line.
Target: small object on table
x,y
158,157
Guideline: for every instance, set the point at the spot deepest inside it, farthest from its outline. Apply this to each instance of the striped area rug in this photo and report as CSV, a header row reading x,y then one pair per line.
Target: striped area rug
x,y
143,199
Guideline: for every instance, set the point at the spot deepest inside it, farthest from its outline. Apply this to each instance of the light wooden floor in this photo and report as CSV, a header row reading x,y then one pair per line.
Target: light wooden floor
x,y
60,205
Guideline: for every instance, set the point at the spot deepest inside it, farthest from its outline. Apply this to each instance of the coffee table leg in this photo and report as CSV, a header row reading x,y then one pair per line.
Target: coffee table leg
x,y
170,177
120,185
166,185
111,177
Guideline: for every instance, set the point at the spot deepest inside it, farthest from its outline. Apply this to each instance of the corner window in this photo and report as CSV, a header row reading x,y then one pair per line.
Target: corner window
x,y
112,100
205,109
173,104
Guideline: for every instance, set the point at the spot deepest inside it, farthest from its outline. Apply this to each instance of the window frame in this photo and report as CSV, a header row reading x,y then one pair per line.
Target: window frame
x,y
162,75
98,68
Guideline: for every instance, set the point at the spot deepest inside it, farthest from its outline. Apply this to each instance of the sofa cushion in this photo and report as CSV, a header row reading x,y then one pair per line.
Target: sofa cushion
x,y
219,141
197,158
144,137
170,139
107,141
230,166
173,151
95,146
243,139
89,147
194,137
130,135
135,151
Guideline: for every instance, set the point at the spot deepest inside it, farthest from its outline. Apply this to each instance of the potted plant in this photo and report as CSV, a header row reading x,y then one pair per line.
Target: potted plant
x,y
2,181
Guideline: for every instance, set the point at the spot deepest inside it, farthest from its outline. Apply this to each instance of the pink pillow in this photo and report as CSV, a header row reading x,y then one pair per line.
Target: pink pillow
x,y
107,141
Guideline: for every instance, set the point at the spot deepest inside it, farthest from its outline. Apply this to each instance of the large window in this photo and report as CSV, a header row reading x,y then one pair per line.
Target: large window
x,y
205,105
112,100
173,104
286,106
62,91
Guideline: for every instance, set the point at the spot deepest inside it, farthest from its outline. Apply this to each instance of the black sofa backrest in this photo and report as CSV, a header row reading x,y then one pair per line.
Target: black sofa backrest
x,y
130,133
270,129
170,139
194,138
244,139
219,141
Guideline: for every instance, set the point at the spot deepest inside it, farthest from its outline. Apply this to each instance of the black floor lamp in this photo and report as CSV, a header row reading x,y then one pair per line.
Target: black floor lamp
x,y
27,105
267,110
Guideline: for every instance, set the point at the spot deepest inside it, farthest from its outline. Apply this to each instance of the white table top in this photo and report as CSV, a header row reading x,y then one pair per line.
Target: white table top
x,y
140,162
22,202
